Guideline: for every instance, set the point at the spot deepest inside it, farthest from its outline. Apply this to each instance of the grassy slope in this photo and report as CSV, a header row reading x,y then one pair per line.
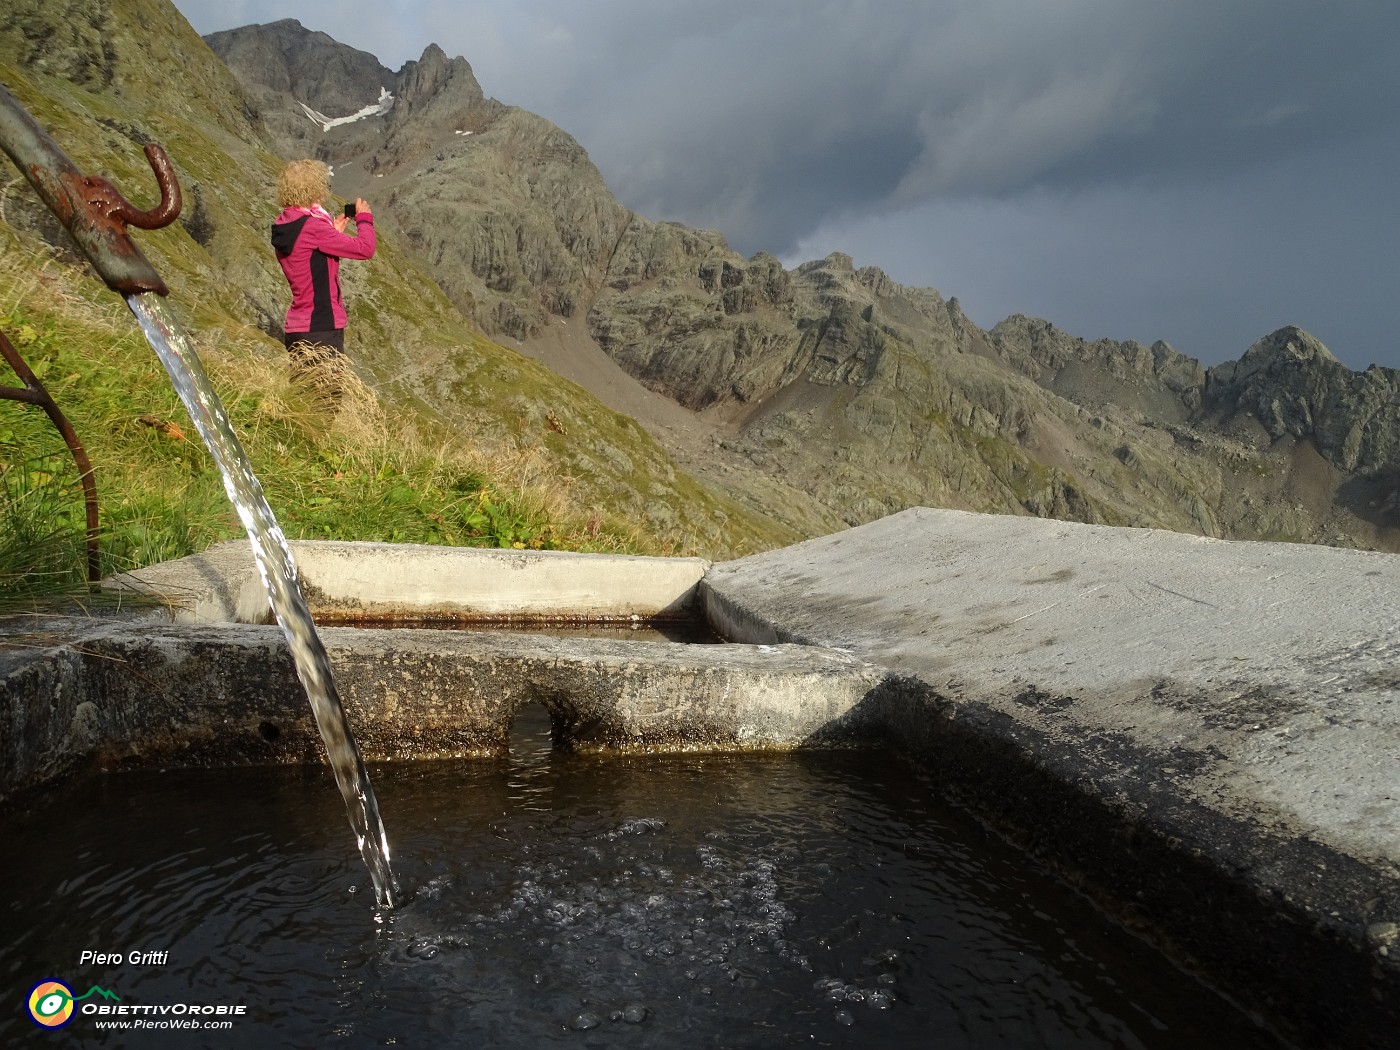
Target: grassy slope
x,y
452,439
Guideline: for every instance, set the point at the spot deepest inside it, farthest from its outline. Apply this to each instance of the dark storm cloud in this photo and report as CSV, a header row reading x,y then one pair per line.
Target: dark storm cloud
x,y
765,118
788,123
1208,264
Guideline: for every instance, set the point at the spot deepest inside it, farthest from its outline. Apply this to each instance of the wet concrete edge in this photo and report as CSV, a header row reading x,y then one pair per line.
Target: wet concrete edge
x,y
133,695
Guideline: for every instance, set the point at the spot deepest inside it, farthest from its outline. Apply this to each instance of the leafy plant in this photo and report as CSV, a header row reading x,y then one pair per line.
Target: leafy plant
x,y
502,524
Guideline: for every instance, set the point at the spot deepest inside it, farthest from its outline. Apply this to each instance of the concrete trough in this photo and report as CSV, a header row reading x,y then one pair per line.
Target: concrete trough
x,y
202,678
1203,735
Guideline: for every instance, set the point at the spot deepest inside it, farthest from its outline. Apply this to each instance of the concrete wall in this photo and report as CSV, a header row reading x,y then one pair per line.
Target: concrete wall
x,y
148,693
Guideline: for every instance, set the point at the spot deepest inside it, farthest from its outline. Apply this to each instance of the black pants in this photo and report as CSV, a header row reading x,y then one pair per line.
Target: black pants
x,y
318,358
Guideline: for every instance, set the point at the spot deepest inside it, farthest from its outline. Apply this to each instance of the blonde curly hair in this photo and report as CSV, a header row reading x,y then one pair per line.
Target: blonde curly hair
x,y
303,183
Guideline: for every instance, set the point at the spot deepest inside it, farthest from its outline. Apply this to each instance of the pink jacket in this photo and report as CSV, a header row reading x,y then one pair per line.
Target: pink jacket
x,y
310,249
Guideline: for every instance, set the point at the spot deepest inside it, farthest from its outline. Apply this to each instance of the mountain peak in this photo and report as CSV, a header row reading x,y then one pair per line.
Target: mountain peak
x,y
440,82
315,69
1289,344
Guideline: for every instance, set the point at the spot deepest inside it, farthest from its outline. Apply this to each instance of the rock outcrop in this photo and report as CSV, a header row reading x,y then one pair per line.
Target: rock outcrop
x,y
1294,388
311,67
284,61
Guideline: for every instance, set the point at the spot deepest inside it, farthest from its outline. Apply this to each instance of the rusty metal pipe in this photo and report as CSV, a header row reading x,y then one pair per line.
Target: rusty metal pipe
x,y
35,393
19,393
91,208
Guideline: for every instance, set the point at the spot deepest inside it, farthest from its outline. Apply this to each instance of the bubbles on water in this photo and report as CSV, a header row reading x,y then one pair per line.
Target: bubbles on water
x,y
709,856
433,889
881,958
636,826
584,1020
839,990
625,910
844,1017
425,947
632,1013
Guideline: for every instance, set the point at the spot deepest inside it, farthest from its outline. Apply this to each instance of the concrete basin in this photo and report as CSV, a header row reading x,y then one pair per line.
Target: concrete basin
x,y
1203,735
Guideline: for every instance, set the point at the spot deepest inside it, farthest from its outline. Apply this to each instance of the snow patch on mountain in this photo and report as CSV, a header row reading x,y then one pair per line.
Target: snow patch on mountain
x,y
376,109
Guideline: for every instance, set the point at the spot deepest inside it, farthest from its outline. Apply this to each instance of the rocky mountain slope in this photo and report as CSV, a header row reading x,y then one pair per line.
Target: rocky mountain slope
x,y
828,394
107,76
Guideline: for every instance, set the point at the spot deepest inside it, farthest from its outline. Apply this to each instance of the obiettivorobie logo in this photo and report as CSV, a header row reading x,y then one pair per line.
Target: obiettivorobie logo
x,y
51,1002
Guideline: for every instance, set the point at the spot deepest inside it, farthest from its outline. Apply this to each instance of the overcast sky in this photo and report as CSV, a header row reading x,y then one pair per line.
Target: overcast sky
x,y
1199,171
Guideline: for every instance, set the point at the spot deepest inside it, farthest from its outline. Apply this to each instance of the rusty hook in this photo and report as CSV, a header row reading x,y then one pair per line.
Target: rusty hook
x,y
107,200
91,208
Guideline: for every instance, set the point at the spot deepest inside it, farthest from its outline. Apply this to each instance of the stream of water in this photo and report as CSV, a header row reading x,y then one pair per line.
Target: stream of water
x,y
279,576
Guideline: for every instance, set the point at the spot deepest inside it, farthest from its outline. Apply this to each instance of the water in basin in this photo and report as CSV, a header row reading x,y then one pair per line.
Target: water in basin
x,y
814,899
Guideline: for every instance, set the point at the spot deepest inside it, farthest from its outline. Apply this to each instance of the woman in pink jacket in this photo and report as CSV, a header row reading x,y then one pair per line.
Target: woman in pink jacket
x,y
309,245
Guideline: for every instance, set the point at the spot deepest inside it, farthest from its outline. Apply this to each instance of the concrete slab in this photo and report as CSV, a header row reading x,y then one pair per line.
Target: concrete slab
x,y
1123,699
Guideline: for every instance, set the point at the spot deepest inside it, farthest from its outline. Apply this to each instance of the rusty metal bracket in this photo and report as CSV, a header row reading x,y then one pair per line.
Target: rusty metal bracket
x,y
34,393
91,208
